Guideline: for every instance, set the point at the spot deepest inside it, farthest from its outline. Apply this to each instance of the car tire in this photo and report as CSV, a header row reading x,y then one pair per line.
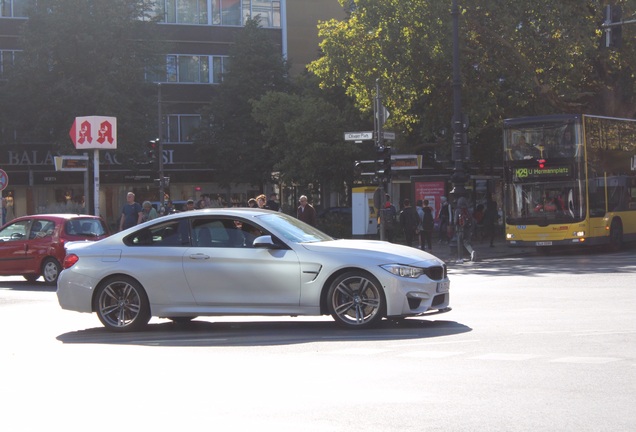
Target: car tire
x,y
122,304
356,300
31,277
51,270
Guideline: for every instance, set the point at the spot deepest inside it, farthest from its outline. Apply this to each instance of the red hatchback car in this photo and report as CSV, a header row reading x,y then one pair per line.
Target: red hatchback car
x,y
33,246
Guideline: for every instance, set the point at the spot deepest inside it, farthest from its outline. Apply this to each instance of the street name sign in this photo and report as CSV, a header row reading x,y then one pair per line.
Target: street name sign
x,y
358,136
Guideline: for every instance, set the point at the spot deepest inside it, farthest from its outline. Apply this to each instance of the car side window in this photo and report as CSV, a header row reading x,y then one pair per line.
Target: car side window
x,y
250,233
166,234
209,233
40,228
15,231
225,233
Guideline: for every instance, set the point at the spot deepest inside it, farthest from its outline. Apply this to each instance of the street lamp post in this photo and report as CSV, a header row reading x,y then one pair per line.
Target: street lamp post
x,y
160,149
459,130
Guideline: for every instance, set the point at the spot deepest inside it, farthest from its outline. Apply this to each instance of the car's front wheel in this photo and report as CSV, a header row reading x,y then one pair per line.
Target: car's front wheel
x,y
122,305
356,300
31,277
51,270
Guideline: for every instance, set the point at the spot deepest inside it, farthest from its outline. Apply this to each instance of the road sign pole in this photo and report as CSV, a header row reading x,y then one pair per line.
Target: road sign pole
x,y
96,180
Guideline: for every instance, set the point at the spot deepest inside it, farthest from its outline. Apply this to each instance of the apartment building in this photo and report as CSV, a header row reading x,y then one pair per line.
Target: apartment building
x,y
201,33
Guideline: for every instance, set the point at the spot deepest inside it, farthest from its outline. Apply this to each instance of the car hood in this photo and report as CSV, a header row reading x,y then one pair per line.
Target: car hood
x,y
374,249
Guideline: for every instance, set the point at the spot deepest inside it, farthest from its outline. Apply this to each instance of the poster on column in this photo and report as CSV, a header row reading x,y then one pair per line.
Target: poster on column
x,y
432,191
94,132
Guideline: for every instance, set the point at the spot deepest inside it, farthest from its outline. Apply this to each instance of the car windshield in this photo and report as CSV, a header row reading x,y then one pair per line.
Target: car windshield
x,y
292,229
85,227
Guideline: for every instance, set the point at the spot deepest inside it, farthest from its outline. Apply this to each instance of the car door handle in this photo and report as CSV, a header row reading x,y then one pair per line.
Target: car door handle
x,y
199,256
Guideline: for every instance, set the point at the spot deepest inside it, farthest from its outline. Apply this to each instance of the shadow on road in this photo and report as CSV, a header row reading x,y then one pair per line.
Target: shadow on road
x,y
264,333
558,262
27,286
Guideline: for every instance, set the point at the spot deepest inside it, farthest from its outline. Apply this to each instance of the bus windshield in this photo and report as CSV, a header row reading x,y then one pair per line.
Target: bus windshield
x,y
540,203
542,140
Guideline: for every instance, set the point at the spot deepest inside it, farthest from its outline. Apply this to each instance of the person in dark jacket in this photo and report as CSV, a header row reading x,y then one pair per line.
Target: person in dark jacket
x,y
409,221
306,211
428,225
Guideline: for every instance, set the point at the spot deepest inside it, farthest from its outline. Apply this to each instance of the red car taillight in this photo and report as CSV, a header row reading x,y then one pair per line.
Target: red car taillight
x,y
70,260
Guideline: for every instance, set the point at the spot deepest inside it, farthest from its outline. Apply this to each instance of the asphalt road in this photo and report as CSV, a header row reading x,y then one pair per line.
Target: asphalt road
x,y
533,344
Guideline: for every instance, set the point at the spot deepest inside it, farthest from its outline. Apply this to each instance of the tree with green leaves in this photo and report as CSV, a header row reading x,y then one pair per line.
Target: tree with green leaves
x,y
304,133
83,58
230,141
517,58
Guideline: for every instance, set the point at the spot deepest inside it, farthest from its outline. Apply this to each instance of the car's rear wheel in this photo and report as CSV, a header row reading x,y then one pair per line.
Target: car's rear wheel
x,y
356,300
122,305
51,270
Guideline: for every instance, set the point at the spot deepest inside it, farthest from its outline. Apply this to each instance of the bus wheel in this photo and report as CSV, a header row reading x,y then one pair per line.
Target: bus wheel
x,y
616,236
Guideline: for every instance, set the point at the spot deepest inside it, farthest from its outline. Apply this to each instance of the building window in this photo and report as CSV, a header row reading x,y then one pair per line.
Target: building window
x,y
189,69
183,11
7,60
180,127
218,12
14,8
268,12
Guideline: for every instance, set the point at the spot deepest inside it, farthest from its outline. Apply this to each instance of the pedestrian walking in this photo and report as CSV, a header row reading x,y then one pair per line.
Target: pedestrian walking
x,y
464,225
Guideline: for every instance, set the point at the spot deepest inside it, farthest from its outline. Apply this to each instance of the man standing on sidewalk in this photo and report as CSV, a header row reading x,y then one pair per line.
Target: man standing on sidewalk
x,y
409,220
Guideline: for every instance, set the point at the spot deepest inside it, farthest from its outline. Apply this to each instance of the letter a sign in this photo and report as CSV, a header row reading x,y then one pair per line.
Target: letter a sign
x,y
94,132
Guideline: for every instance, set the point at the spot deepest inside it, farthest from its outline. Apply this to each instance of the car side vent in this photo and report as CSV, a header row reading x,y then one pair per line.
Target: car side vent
x,y
436,273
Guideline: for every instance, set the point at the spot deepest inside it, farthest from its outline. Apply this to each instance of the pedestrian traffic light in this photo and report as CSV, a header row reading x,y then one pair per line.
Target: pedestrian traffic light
x,y
385,171
152,147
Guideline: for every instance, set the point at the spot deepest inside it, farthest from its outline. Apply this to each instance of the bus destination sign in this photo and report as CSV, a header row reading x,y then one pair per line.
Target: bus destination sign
x,y
534,173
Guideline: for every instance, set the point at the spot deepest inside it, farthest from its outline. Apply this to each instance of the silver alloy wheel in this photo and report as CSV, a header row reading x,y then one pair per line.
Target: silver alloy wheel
x,y
50,270
122,305
355,300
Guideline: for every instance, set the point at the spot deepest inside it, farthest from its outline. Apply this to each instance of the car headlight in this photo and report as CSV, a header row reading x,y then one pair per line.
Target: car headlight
x,y
404,270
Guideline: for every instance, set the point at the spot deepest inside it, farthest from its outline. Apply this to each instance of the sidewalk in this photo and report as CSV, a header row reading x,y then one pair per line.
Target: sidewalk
x,y
483,251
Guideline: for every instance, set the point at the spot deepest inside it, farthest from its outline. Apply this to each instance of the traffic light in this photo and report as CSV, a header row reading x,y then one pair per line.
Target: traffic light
x,y
385,172
541,163
152,147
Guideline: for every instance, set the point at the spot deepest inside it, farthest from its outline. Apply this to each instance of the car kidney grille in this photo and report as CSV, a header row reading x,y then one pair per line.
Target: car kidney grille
x,y
436,273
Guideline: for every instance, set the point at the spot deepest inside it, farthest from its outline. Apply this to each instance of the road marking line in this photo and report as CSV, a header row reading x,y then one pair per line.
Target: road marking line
x,y
506,357
434,343
432,354
361,351
585,360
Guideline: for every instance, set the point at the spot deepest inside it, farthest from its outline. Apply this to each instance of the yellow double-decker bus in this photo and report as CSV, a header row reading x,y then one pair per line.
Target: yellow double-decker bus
x,y
569,180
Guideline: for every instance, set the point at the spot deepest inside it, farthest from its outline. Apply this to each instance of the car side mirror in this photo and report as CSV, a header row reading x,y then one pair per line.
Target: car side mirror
x,y
266,242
